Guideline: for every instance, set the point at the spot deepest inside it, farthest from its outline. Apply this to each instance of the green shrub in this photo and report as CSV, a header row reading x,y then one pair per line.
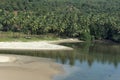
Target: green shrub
x,y
116,38
85,36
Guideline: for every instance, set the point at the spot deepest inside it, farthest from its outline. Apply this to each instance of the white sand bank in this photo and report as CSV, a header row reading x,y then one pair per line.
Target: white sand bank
x,y
40,45
31,46
69,40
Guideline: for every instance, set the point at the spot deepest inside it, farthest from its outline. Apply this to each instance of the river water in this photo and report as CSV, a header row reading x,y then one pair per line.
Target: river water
x,y
92,61
88,61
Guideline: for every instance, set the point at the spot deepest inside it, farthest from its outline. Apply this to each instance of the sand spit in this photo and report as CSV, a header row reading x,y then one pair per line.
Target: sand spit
x,y
28,68
38,46
43,45
69,40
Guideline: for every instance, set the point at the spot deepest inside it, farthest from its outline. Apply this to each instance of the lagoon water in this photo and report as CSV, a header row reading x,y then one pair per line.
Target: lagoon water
x,y
92,61
88,61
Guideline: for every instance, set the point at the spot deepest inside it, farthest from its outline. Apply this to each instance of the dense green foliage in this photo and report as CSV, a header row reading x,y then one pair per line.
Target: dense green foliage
x,y
85,19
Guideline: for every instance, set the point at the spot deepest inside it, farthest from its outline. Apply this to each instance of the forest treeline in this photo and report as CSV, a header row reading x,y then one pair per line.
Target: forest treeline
x,y
84,19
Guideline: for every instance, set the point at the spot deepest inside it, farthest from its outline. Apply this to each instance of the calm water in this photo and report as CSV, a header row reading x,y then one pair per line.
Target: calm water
x,y
89,61
92,61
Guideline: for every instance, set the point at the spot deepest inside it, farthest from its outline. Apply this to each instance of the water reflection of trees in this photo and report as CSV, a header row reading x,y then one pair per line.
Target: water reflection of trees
x,y
61,56
90,52
97,52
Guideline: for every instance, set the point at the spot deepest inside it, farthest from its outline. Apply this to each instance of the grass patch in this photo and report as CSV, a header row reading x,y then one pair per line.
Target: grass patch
x,y
10,36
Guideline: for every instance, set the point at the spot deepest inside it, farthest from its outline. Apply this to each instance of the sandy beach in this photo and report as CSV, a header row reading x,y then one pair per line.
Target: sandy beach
x,y
40,45
14,67
28,68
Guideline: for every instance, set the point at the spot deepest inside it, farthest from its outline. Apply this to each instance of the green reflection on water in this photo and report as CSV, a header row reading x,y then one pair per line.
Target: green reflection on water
x,y
90,52
62,56
97,51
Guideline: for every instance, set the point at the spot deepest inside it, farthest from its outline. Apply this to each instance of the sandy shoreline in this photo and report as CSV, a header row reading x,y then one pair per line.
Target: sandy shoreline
x,y
38,46
31,46
14,67
28,68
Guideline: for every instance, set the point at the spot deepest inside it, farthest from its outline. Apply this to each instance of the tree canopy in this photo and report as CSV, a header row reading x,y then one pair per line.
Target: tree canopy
x,y
84,19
